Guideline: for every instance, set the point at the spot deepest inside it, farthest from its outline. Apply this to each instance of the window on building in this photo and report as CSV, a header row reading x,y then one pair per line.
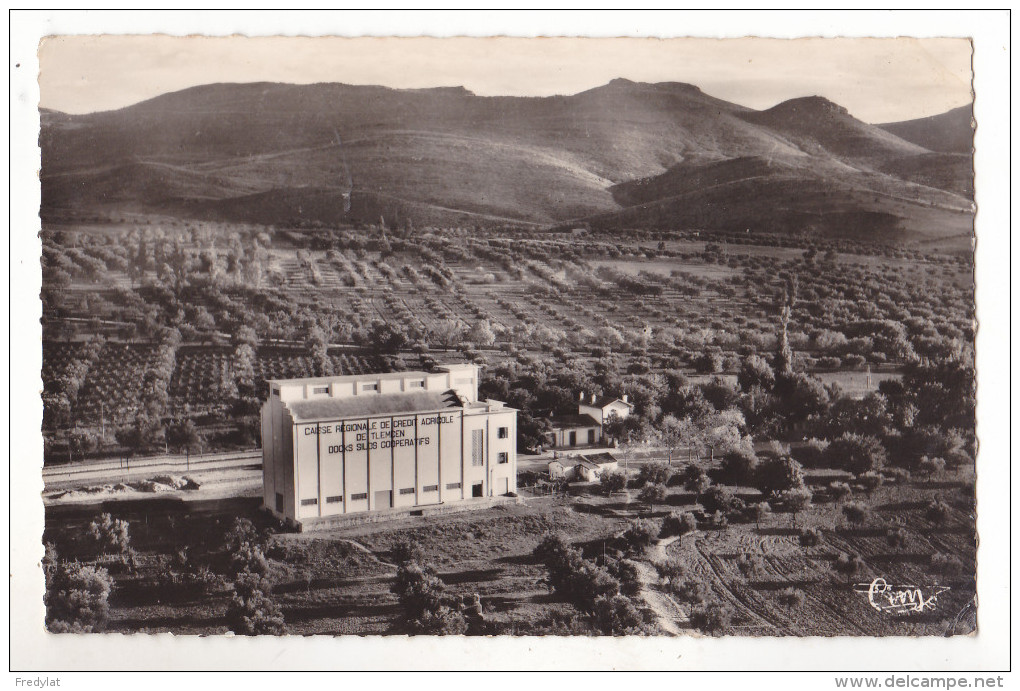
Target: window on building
x,y
476,490
359,497
407,490
320,389
279,502
415,383
477,447
503,432
430,488
370,387
334,500
503,457
309,502
453,485
276,391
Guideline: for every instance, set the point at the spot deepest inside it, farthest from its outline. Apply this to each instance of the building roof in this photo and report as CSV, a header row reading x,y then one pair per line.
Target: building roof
x,y
598,459
373,376
372,405
573,421
603,401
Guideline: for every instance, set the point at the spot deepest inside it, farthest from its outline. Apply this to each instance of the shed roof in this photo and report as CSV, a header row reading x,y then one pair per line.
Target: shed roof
x,y
372,405
599,458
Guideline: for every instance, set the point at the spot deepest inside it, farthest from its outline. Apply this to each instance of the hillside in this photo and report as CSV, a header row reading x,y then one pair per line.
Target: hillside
x,y
270,153
951,132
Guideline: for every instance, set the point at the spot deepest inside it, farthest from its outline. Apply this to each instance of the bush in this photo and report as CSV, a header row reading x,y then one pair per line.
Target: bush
x,y
840,490
571,576
856,453
77,598
749,563
896,537
695,479
690,590
671,570
712,618
779,474
945,565
812,454
937,511
855,512
679,523
869,481
718,499
653,474
640,535
109,535
418,589
809,537
758,512
251,611
792,598
931,466
626,572
441,622
738,468
615,615
848,565
405,551
652,494
612,482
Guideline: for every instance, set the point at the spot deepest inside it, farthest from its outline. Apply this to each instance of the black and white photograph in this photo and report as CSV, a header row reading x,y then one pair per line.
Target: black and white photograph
x,y
504,338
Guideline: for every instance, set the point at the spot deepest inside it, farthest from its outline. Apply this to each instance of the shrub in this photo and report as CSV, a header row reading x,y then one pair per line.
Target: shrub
x,y
640,535
626,572
652,494
571,576
812,454
779,474
869,481
931,466
856,453
712,618
690,590
795,500
758,512
855,512
653,474
840,490
848,565
738,468
612,482
749,563
77,598
792,597
251,611
937,511
671,570
679,523
809,537
896,537
945,565
418,589
109,535
441,622
405,551
616,615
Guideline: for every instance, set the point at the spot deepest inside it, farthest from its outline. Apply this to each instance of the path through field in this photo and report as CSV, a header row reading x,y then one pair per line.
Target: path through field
x,y
667,611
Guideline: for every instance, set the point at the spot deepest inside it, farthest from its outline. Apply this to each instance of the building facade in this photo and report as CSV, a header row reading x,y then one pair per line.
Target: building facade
x,y
362,443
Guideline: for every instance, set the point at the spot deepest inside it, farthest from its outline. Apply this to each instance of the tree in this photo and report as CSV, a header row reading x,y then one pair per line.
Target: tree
x,y
718,498
855,512
672,434
418,589
612,481
848,565
109,535
749,563
896,537
616,615
652,474
796,500
937,511
809,537
679,524
738,467
856,453
696,480
251,611
712,618
481,333
640,535
779,474
755,371
652,494
77,598
182,435
759,512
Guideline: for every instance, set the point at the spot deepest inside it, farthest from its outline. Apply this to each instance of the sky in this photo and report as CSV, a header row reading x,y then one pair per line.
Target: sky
x,y
876,79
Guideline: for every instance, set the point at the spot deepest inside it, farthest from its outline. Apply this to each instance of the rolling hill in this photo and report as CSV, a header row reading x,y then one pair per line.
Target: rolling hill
x,y
621,154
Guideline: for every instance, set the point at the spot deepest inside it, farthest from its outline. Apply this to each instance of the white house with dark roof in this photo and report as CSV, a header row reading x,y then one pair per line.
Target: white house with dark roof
x,y
602,408
334,446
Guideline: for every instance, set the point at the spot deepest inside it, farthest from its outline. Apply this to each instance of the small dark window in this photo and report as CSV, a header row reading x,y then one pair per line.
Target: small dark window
x,y
279,502
503,457
320,389
359,497
453,485
276,391
503,433
430,488
334,500
415,384
476,490
370,387
407,490
309,502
